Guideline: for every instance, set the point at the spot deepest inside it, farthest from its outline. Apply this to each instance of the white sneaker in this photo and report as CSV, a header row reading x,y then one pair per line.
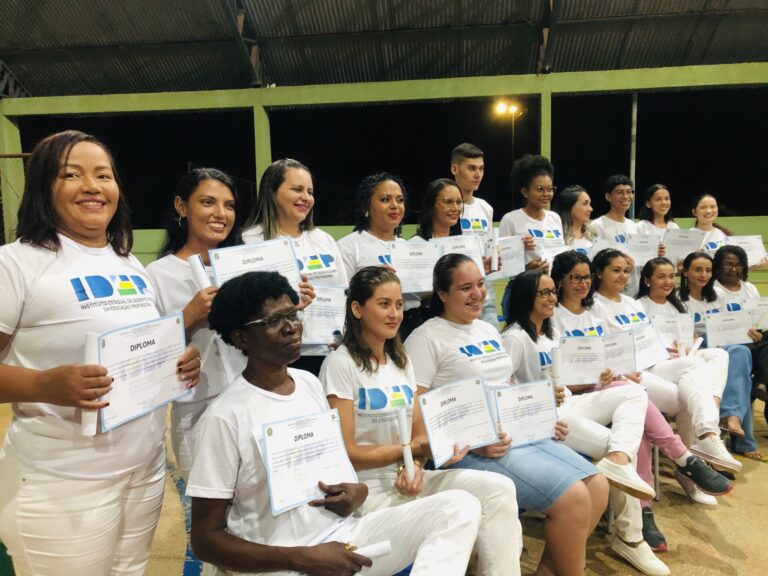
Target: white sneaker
x,y
641,557
625,478
693,492
714,451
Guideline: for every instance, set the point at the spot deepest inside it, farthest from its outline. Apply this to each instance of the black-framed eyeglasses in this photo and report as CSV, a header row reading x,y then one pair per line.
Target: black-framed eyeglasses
x,y
624,192
279,319
577,279
546,293
733,265
545,189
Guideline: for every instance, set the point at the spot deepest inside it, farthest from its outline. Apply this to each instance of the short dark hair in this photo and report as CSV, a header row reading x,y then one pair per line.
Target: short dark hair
x,y
708,291
616,180
264,209
526,169
562,265
361,288
176,230
428,201
646,213
722,252
242,298
442,278
601,260
522,295
465,150
37,219
363,197
647,273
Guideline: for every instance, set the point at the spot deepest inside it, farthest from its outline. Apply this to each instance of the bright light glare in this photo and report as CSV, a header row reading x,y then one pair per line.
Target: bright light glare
x,y
502,107
512,109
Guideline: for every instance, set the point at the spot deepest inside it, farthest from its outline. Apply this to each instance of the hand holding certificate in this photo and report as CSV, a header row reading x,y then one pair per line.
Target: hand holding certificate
x,y
674,328
512,253
726,328
413,262
142,360
270,255
759,309
580,360
467,244
642,247
649,347
679,243
300,452
325,315
457,414
526,412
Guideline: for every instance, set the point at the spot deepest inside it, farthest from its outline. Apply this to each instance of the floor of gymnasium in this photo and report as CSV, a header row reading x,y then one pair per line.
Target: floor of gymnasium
x,y
726,540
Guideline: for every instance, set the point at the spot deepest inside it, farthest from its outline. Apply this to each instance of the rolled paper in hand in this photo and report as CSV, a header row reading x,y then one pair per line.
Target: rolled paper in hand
x,y
405,441
202,280
680,345
697,344
375,550
493,250
89,418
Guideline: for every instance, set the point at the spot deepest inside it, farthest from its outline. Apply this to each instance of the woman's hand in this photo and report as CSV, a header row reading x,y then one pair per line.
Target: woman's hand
x,y
662,250
487,264
342,499
76,386
634,377
756,335
410,487
606,377
306,293
529,242
330,559
188,367
458,455
196,311
495,450
537,264
561,430
559,394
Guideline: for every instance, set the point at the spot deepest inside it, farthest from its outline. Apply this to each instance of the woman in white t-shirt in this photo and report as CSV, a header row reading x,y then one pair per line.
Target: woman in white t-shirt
x,y
574,206
71,502
655,215
540,228
368,379
689,387
549,477
284,209
204,217
705,211
699,295
233,526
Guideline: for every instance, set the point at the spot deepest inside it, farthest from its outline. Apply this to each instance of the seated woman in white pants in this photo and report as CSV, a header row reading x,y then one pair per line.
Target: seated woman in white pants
x,y
368,379
530,341
73,502
233,527
688,388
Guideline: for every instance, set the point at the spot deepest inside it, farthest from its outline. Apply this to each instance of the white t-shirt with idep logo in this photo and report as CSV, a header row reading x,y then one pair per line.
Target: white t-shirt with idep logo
x,y
375,397
50,299
621,316
532,360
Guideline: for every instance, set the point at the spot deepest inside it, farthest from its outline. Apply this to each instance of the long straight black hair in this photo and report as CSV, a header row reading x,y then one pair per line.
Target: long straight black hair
x,y
708,291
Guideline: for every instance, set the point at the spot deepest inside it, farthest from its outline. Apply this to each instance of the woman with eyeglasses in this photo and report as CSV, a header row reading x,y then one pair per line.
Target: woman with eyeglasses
x,y
204,217
655,216
577,314
688,388
441,208
284,209
531,177
574,206
549,477
368,379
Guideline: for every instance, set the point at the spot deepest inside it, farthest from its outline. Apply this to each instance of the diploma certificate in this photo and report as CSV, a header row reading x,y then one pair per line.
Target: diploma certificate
x,y
753,246
726,328
679,243
526,412
649,347
457,413
511,250
142,360
642,247
468,244
268,256
580,360
300,452
674,328
414,262
759,309
325,315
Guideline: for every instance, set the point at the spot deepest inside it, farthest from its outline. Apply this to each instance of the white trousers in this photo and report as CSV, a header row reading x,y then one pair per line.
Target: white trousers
x,y
184,433
588,415
500,536
435,534
56,526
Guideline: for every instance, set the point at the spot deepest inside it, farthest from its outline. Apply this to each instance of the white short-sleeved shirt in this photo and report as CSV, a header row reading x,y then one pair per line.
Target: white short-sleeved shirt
x,y
612,230
375,397
229,463
533,360
319,259
547,231
443,352
653,308
172,278
50,299
713,239
648,227
590,322
747,291
621,316
700,308
581,245
477,218
361,249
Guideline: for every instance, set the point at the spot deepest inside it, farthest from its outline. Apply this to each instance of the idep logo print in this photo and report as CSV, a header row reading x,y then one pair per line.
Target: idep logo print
x,y
481,348
95,287
382,398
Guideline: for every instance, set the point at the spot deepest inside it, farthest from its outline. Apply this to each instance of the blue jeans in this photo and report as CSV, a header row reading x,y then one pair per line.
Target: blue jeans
x,y
737,396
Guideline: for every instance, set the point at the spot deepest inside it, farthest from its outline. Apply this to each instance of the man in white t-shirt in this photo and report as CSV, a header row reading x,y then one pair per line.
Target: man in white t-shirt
x,y
468,168
233,527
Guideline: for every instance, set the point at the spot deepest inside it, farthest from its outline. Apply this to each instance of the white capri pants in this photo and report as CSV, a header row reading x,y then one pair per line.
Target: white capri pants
x,y
56,526
500,536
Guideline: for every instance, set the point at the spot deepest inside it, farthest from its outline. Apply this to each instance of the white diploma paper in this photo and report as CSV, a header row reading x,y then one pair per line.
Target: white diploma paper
x,y
268,256
467,244
679,243
300,452
649,347
142,360
726,328
414,262
512,252
674,327
753,246
199,273
325,315
642,247
526,412
580,360
405,441
457,414
759,309
599,244
89,418
620,352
